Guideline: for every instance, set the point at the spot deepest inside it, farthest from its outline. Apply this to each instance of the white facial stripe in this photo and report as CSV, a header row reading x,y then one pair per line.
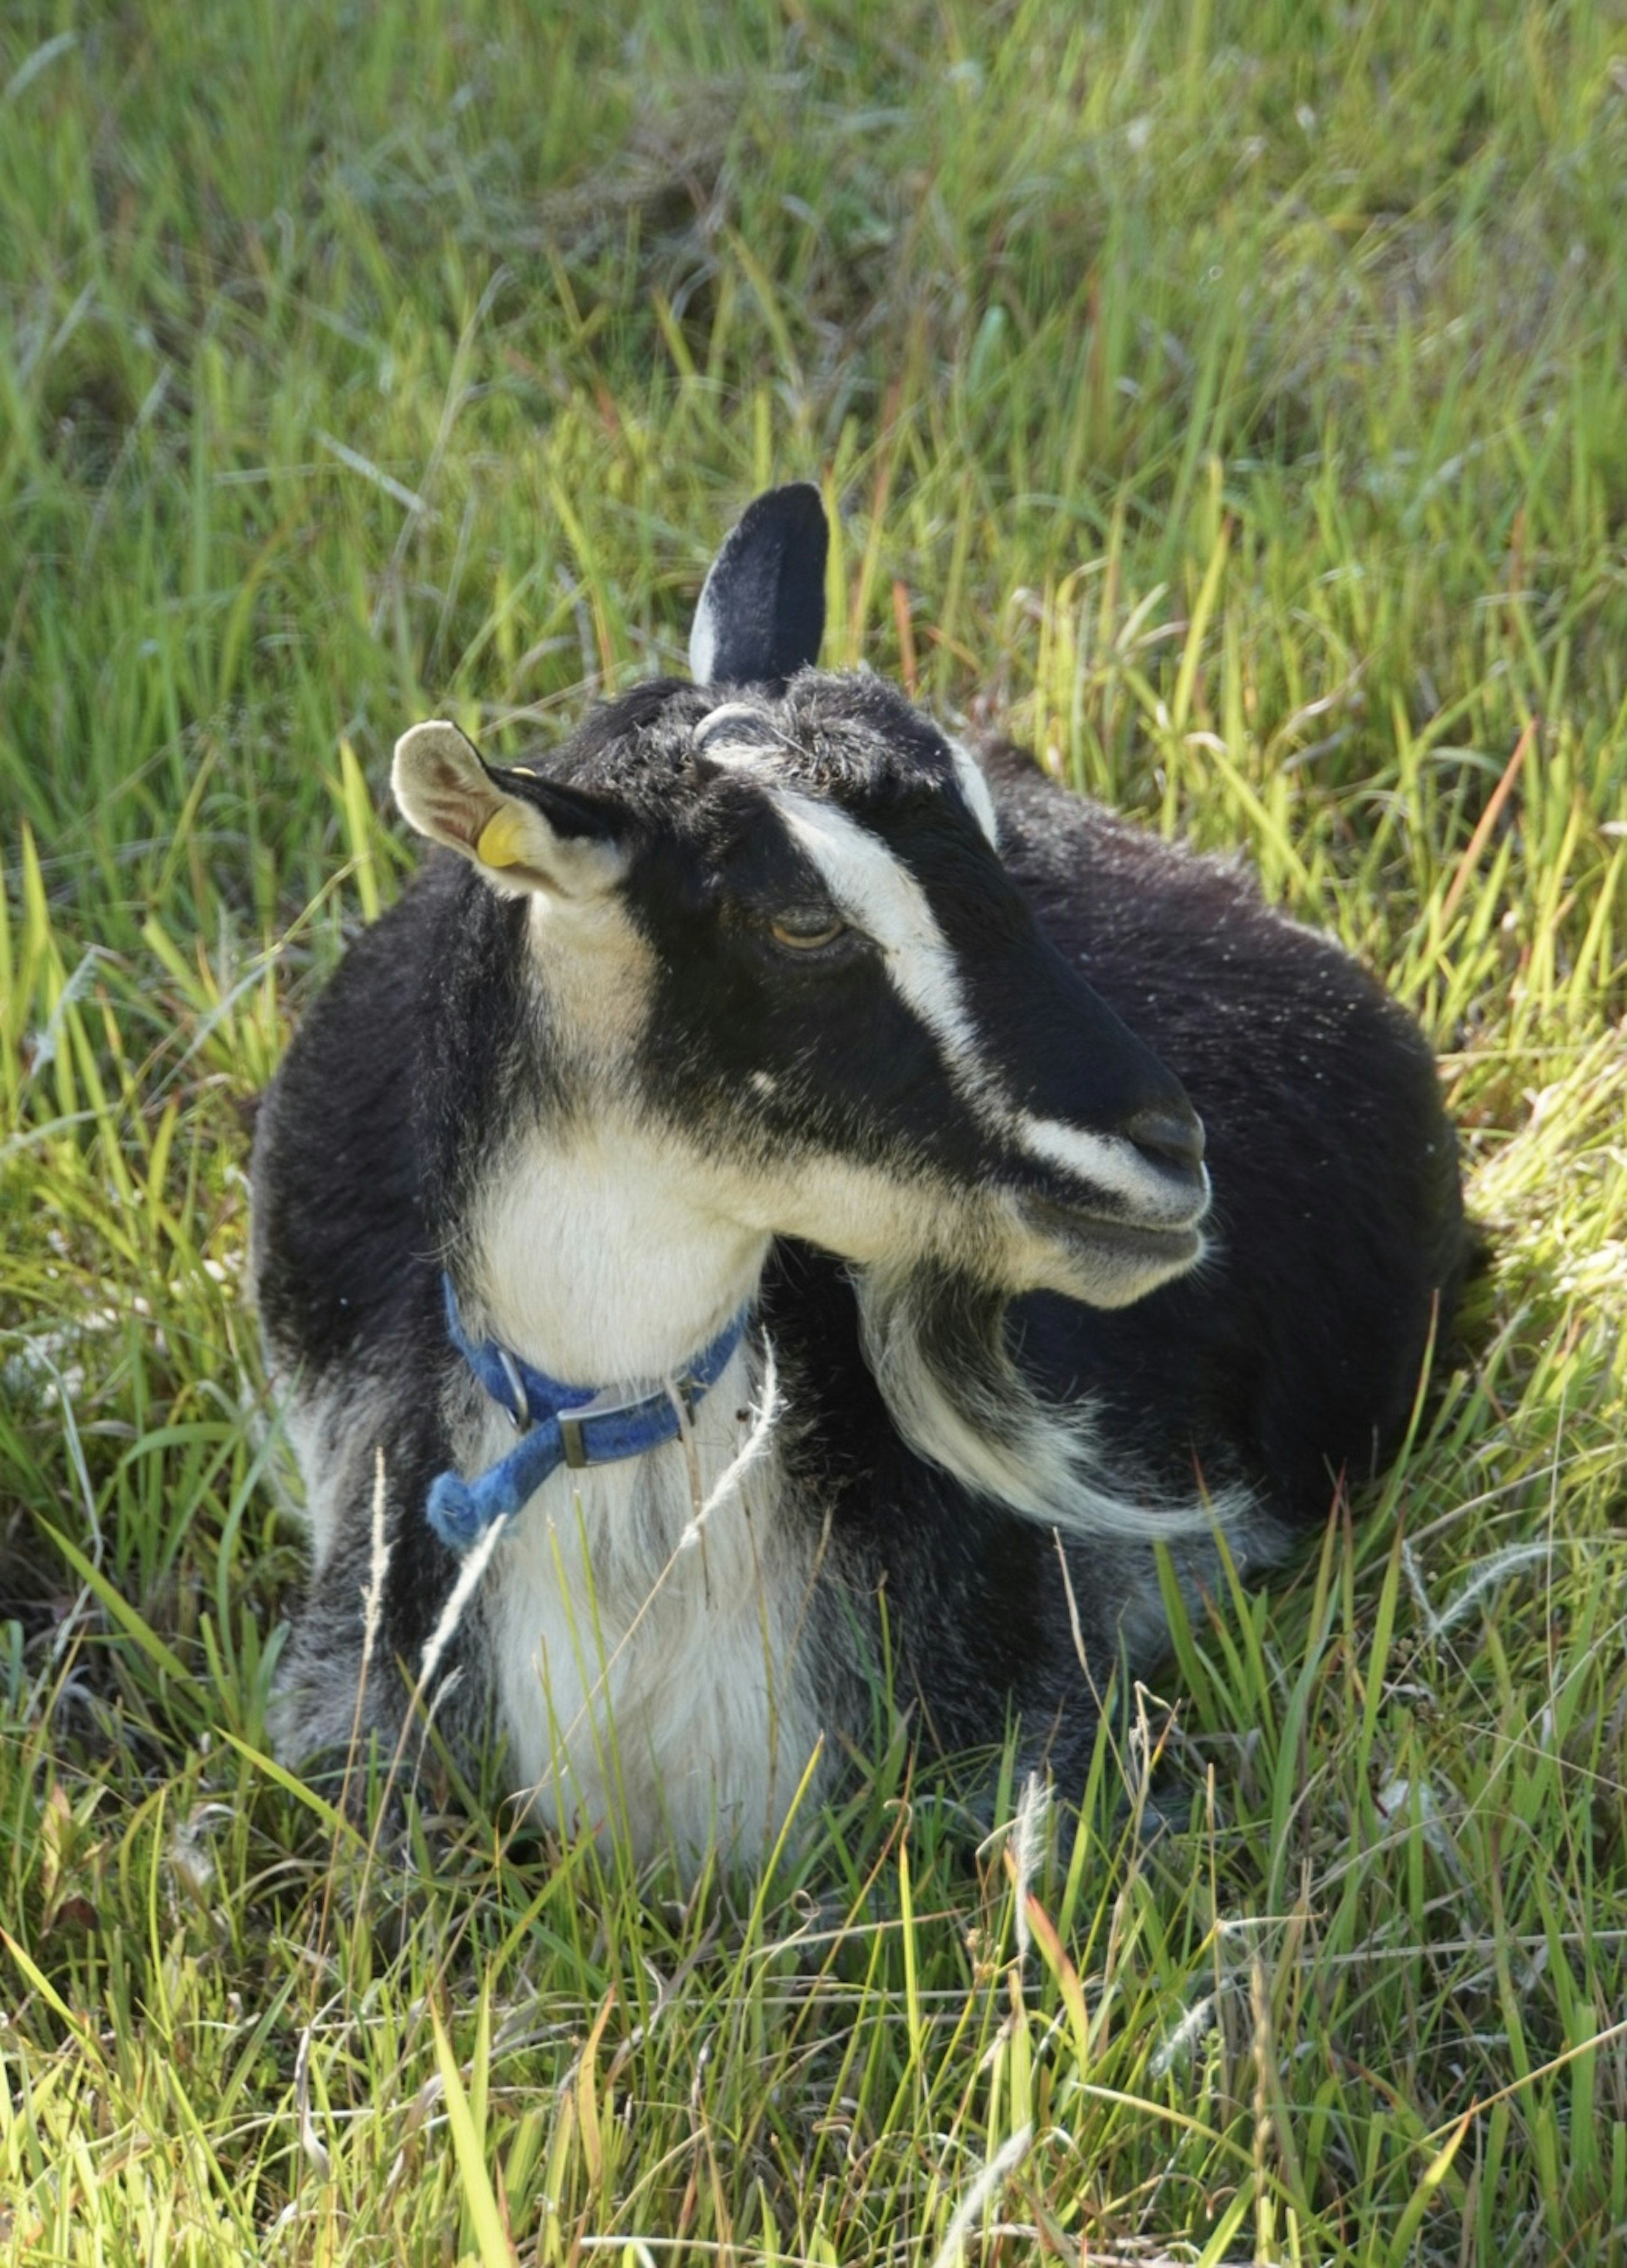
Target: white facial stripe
x,y
975,788
1104,1160
882,898
1107,1161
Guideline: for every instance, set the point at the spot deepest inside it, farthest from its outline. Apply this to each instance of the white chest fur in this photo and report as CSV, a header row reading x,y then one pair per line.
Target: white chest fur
x,y
648,1665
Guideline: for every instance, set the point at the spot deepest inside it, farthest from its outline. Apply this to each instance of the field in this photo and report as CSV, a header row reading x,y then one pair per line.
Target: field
x,y
1233,399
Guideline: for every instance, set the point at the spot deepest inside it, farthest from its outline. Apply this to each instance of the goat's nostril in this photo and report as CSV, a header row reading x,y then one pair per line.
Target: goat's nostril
x,y
1170,1135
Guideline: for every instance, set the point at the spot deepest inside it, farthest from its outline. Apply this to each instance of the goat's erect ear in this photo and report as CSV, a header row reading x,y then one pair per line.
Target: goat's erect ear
x,y
761,613
553,838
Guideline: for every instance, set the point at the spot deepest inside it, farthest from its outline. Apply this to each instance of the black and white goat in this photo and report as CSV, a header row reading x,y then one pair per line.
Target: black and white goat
x,y
781,1206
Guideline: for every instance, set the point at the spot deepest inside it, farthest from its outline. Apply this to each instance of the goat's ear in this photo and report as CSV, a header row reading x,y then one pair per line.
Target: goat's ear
x,y
761,613
551,838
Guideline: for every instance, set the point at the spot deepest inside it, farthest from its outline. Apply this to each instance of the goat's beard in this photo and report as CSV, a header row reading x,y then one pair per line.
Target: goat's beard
x,y
934,1338
935,1341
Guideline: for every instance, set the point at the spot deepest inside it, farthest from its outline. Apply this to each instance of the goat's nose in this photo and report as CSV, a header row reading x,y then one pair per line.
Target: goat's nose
x,y
1171,1134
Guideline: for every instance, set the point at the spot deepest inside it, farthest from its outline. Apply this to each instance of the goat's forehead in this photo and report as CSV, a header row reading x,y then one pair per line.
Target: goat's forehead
x,y
839,826
854,758
883,765
704,768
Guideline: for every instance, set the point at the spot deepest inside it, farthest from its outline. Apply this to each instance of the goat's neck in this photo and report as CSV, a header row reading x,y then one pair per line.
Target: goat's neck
x,y
595,1256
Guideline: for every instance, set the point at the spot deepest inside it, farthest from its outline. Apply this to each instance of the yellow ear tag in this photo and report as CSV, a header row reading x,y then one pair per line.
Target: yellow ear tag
x,y
501,840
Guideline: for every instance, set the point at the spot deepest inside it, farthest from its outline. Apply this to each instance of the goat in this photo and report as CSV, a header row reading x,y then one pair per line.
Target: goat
x,y
855,1112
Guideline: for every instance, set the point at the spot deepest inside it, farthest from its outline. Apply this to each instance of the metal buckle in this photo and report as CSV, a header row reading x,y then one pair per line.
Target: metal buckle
x,y
571,1421
519,1414
571,1435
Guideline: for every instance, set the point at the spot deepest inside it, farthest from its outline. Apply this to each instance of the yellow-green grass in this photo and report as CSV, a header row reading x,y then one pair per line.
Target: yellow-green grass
x,y
1231,400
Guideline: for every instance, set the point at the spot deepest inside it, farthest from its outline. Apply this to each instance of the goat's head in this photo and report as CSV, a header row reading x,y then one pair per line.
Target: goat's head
x,y
766,913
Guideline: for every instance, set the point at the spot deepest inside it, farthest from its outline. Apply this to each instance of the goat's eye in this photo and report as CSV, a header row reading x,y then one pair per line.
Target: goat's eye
x,y
805,928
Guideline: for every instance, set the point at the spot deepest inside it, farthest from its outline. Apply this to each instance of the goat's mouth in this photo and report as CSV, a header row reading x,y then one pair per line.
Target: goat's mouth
x,y
1105,1261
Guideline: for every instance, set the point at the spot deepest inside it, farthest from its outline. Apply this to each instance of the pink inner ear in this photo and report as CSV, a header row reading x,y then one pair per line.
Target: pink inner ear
x,y
440,786
446,801
466,816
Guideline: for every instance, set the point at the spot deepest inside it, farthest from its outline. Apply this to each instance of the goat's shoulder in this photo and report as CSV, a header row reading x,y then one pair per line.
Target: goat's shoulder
x,y
340,1235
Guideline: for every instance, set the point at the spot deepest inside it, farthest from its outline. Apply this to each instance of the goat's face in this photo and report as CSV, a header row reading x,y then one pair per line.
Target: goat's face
x,y
770,920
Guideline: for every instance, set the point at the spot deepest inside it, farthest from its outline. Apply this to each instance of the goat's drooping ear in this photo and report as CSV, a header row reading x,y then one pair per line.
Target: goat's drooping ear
x,y
551,838
761,613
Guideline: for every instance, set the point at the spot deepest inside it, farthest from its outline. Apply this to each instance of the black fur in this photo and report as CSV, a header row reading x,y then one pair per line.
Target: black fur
x,y
761,614
1293,1353
1113,978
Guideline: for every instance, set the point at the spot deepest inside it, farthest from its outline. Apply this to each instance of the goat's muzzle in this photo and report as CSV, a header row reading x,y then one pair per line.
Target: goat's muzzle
x,y
1110,1237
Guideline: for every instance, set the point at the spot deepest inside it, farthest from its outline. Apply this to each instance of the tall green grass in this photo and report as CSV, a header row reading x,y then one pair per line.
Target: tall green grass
x,y
1234,402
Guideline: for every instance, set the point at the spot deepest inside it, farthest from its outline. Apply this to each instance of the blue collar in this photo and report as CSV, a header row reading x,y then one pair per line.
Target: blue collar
x,y
574,1425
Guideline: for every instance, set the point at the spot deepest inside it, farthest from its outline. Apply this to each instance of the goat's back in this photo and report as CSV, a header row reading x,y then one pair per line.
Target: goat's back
x,y
1294,1351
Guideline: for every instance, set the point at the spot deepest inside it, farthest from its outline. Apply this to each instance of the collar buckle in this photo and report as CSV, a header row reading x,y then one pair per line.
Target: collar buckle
x,y
520,1401
557,1428
644,1411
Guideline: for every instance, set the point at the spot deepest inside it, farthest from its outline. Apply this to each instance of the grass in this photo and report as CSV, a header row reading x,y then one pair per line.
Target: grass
x,y
1234,400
